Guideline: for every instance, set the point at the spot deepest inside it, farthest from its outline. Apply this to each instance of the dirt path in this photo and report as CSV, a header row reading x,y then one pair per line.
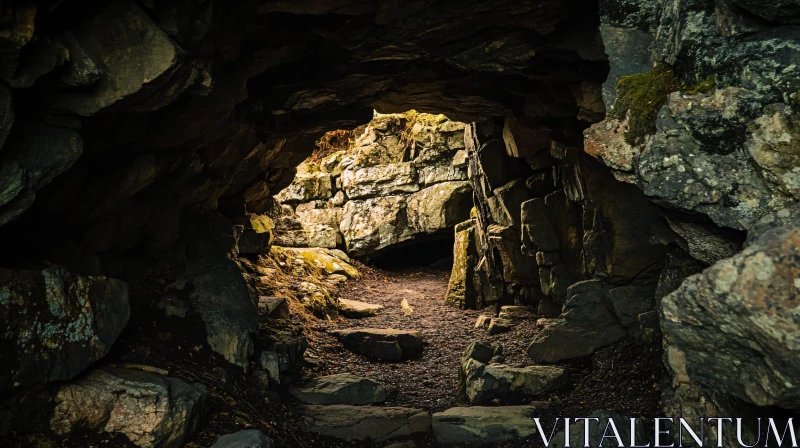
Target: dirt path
x,y
431,381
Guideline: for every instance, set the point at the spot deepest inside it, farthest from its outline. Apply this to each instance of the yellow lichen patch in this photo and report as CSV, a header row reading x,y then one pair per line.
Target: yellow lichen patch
x,y
261,223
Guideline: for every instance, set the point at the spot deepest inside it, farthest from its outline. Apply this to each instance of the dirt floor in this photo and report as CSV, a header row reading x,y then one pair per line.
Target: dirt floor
x,y
622,379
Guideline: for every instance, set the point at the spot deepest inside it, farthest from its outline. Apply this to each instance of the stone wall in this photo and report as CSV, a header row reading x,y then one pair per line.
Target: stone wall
x,y
401,178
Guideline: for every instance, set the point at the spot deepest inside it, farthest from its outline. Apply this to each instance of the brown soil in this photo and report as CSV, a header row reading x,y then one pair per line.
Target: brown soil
x,y
622,378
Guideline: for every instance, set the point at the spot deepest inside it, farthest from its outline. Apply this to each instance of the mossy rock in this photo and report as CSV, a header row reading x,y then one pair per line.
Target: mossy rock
x,y
642,96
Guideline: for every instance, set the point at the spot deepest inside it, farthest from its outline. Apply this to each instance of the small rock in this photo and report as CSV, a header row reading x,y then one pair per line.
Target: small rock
x,y
361,423
483,321
385,344
274,307
356,309
486,382
483,425
251,438
498,326
343,388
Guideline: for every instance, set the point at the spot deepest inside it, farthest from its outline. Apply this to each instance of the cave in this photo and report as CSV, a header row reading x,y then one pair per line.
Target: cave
x,y
355,223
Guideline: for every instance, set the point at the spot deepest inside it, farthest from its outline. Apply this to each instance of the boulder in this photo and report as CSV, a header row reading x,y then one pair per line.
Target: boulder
x,y
307,187
133,52
322,216
356,309
380,180
153,411
320,258
56,323
383,344
374,224
365,423
478,425
440,206
311,235
249,438
498,325
222,298
343,388
560,339
739,312
257,234
487,382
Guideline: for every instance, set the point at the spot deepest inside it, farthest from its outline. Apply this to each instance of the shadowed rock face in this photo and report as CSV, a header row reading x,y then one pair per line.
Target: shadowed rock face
x,y
149,112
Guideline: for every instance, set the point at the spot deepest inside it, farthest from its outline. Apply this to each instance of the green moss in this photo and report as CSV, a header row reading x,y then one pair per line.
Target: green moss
x,y
705,86
643,95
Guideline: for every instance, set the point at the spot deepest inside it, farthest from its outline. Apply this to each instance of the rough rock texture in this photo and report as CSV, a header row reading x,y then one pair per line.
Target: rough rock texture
x,y
362,423
403,176
461,290
319,258
738,313
56,323
151,410
595,315
380,343
478,425
484,380
343,388
250,438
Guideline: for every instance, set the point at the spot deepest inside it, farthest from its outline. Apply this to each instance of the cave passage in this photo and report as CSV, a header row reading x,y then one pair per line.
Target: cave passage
x,y
425,252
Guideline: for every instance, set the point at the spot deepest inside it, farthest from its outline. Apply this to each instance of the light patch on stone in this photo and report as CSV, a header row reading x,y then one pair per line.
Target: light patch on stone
x,y
54,291
759,266
726,277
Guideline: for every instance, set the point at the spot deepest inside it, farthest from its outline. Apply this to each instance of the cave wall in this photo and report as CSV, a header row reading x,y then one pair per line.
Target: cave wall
x,y
401,179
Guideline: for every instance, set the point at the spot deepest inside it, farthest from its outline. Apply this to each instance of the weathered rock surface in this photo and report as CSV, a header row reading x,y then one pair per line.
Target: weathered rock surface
x,y
381,180
250,438
151,410
374,224
478,425
440,206
223,300
498,325
56,323
461,291
379,343
362,423
487,382
739,313
319,258
356,309
342,388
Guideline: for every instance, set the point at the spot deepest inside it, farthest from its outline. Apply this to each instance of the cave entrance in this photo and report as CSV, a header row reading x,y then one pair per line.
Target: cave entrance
x,y
433,252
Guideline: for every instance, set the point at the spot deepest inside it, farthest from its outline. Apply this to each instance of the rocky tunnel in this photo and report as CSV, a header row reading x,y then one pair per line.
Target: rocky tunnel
x,y
627,170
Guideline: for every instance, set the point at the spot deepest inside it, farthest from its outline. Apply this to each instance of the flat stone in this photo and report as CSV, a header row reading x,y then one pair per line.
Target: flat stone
x,y
487,382
343,388
362,423
356,309
497,326
478,425
250,438
517,312
382,343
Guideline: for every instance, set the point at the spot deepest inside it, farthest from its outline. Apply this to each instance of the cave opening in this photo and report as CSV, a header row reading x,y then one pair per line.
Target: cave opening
x,y
460,210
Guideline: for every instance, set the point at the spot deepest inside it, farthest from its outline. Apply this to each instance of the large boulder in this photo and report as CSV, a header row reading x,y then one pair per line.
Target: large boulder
x,y
440,206
56,323
381,343
343,388
739,312
479,425
151,410
374,224
319,258
365,423
222,298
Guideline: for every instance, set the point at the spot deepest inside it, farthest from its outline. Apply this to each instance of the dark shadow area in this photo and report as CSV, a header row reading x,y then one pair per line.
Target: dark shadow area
x,y
422,252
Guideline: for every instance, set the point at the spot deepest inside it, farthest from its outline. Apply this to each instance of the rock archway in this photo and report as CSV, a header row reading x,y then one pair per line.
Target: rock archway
x,y
613,148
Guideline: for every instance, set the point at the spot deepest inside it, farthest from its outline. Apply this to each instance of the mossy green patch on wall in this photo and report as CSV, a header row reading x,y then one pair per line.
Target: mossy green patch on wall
x,y
643,95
